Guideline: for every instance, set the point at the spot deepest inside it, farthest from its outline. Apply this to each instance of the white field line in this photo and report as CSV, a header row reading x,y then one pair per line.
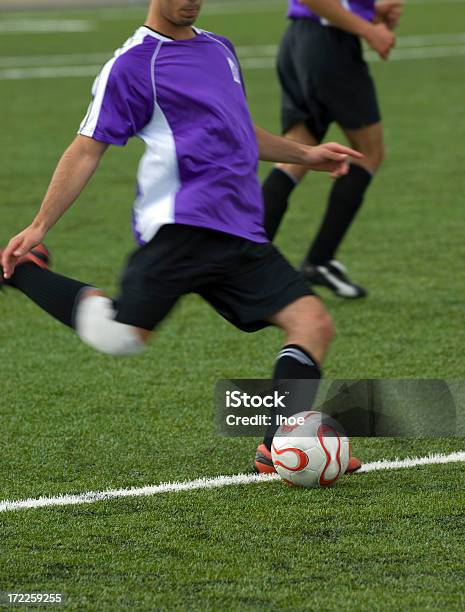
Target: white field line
x,y
239,6
397,464
243,7
44,61
421,40
234,7
42,26
253,57
415,40
248,63
49,73
18,61
210,483
418,53
403,42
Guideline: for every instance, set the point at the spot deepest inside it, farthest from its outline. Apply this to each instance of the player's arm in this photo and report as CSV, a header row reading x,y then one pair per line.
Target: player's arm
x,y
377,35
73,172
329,157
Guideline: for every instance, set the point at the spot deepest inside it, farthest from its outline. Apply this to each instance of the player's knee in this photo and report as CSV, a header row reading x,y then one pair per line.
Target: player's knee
x,y
295,172
96,327
379,155
323,327
315,324
374,157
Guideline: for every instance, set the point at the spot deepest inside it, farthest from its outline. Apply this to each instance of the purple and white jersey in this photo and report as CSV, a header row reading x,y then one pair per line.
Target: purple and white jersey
x,y
185,100
362,8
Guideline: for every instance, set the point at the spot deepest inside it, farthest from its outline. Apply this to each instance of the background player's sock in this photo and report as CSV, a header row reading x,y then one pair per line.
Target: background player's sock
x,y
345,199
277,188
53,293
294,364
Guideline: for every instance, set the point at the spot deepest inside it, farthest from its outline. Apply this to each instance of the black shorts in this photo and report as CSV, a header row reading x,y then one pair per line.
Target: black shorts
x,y
244,281
324,78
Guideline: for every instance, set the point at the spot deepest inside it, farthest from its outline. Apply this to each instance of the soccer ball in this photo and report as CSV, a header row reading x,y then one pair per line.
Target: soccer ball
x,y
312,454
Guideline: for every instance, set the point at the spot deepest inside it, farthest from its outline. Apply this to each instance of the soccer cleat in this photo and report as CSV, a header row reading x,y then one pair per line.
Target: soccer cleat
x,y
39,255
263,463
332,275
354,463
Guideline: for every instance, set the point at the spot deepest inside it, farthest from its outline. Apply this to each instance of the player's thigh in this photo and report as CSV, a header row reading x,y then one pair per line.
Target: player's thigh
x,y
369,140
259,281
304,316
156,275
299,133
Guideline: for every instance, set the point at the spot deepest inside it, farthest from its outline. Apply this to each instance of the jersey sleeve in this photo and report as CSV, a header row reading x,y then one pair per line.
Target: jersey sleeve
x,y
122,102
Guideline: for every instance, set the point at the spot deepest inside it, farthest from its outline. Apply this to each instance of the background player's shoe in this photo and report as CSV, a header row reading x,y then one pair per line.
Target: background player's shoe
x,y
39,255
263,463
333,275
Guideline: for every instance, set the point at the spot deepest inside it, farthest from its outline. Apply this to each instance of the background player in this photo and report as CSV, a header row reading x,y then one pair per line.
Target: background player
x,y
198,215
324,78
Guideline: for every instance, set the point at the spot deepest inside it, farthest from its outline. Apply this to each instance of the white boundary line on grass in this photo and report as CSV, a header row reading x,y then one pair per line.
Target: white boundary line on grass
x,y
257,57
248,63
244,7
234,7
418,53
422,42
45,26
210,483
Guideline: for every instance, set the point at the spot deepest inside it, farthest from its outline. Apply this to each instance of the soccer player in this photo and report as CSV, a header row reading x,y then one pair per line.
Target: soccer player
x,y
325,79
198,214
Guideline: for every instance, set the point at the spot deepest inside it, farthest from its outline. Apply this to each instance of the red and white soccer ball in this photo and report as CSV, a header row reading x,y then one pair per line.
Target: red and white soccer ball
x,y
314,454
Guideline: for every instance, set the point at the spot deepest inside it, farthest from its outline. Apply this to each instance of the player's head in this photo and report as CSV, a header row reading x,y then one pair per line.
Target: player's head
x,y
178,12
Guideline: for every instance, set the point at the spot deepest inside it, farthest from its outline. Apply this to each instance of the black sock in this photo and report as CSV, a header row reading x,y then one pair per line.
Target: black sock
x,y
345,199
53,293
276,190
296,365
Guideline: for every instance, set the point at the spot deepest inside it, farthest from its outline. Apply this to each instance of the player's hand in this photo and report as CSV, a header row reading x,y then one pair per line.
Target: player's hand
x,y
389,12
18,246
329,157
380,39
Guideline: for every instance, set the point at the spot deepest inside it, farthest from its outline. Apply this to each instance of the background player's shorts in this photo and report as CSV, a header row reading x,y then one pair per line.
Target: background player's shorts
x,y
244,281
324,78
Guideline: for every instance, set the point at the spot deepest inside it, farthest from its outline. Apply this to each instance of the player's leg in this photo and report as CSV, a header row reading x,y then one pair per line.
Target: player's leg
x,y
282,181
307,324
302,116
257,287
350,95
77,305
344,202
368,140
308,330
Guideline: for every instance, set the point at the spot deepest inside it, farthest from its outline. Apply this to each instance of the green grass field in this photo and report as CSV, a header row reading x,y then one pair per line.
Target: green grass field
x,y
73,421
